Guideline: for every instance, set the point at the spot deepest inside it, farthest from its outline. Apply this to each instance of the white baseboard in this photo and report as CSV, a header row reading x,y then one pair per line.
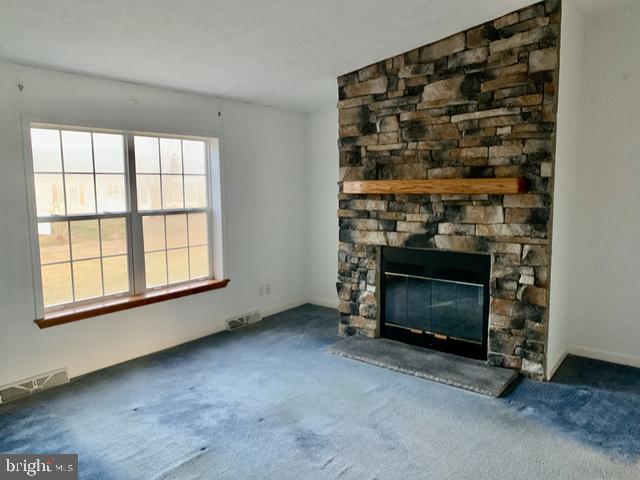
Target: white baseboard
x,y
606,356
281,308
552,370
323,302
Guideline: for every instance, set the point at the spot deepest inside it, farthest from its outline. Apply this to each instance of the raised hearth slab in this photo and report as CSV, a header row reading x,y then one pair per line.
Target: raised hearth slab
x,y
441,367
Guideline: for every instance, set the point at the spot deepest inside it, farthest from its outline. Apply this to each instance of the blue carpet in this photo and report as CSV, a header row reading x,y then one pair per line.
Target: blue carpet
x,y
269,402
597,403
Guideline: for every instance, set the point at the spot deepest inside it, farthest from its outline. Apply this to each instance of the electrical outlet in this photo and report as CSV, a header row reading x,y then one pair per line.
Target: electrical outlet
x,y
261,291
267,288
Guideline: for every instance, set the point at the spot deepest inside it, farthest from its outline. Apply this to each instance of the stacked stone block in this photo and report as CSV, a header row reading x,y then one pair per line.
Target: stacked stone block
x,y
478,104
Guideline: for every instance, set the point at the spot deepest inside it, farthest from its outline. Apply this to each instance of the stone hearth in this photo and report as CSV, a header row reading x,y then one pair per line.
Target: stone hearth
x,y
478,104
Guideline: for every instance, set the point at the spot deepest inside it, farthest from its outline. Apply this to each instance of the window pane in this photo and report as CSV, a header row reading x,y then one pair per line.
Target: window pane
x,y
198,229
87,279
76,151
56,284
195,191
49,194
45,148
80,193
146,150
53,238
178,262
194,156
85,241
176,231
199,261
108,152
172,191
148,187
170,156
116,275
155,269
112,195
114,236
153,232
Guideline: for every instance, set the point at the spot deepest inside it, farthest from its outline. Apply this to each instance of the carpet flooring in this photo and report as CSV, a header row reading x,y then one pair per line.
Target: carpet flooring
x,y
268,401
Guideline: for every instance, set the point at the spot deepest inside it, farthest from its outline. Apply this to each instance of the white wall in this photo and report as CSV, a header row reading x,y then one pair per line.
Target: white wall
x,y
595,299
263,156
568,160
322,145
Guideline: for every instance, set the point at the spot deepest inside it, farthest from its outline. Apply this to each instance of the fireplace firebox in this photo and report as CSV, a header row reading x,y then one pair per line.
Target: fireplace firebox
x,y
435,299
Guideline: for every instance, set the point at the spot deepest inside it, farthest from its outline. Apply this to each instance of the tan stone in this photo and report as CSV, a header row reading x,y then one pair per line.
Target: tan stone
x,y
505,171
536,145
416,70
504,247
455,229
445,131
546,169
412,227
443,48
495,112
425,117
366,204
505,150
545,59
445,172
456,242
508,308
536,255
477,37
388,124
534,295
347,214
482,214
536,370
468,57
527,200
506,20
448,89
469,152
503,229
369,73
349,116
503,82
378,85
524,100
355,102
522,39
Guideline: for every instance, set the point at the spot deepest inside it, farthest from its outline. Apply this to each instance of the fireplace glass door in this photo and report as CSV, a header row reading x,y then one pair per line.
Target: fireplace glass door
x,y
441,307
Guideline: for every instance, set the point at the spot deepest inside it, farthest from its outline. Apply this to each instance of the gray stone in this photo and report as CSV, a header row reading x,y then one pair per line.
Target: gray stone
x,y
453,370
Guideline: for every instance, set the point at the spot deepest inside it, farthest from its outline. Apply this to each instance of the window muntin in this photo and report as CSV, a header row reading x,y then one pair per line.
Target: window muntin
x,y
176,247
83,259
91,245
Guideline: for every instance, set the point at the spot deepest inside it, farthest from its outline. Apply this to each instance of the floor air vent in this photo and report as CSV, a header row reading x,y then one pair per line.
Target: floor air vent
x,y
243,320
29,386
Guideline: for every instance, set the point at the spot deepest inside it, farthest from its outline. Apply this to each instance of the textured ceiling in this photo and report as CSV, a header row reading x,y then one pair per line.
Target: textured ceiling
x,y
284,53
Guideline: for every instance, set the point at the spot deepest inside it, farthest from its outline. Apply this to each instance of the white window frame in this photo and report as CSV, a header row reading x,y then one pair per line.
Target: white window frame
x,y
133,217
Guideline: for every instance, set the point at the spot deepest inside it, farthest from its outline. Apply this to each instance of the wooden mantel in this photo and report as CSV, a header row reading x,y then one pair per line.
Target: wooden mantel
x,y
464,186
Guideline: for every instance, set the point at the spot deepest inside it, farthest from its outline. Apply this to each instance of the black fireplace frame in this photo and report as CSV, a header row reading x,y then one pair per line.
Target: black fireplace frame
x,y
437,264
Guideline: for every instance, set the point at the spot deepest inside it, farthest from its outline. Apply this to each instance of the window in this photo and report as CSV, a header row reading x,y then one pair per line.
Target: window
x,y
118,213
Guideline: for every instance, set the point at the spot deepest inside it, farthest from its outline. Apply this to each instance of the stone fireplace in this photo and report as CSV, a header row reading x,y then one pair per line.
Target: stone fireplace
x,y
478,104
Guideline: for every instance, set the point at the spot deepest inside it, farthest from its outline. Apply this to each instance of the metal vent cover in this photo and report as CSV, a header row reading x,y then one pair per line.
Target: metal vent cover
x,y
243,320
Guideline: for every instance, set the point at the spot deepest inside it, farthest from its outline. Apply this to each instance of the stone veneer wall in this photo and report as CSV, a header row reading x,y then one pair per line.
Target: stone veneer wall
x,y
481,103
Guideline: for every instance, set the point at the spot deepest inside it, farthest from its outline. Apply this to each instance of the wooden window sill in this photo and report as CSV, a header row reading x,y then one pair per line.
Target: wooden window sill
x,y
124,303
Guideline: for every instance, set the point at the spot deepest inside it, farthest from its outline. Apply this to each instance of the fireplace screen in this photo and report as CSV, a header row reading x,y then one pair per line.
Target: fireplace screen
x,y
436,299
443,307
